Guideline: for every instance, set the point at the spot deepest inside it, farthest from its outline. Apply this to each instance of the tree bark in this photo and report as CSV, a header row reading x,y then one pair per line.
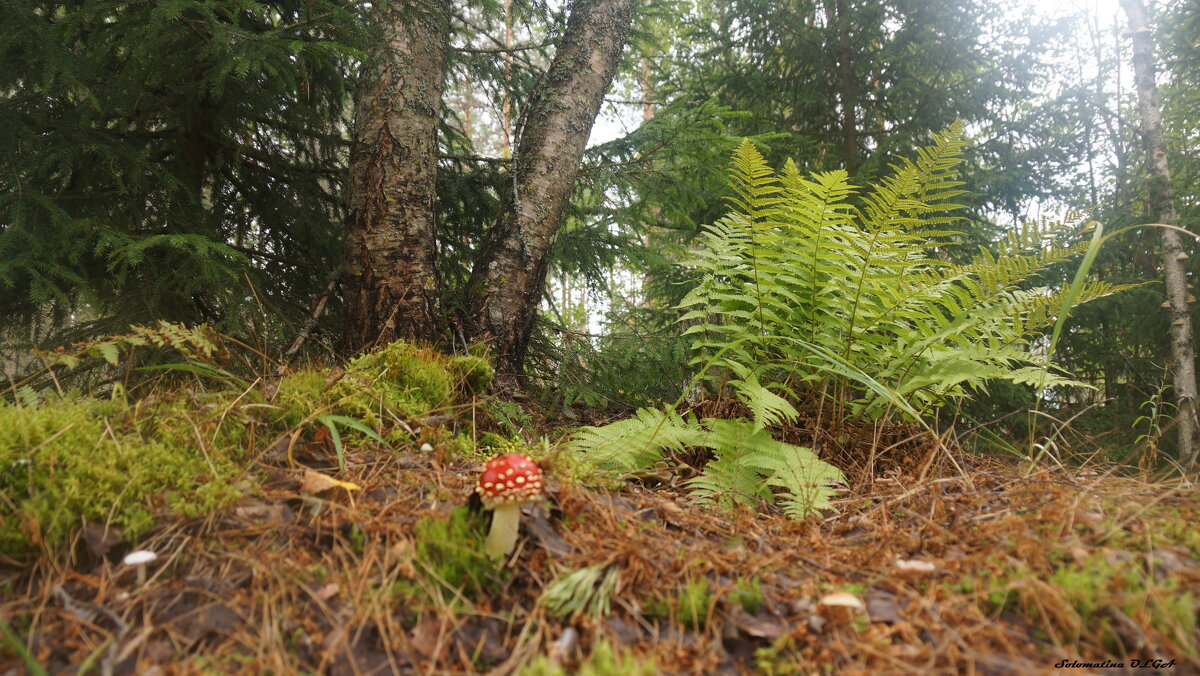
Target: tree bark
x,y
391,282
1163,210
835,16
509,274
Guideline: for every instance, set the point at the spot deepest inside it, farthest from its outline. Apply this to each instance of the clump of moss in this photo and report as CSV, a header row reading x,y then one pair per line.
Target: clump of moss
x,y
689,607
67,462
604,661
449,554
400,377
300,394
472,375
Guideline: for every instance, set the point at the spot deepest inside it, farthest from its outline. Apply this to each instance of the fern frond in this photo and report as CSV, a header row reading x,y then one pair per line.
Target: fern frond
x,y
637,442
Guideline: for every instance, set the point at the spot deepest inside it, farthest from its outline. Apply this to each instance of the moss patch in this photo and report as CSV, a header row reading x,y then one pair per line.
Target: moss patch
x,y
73,461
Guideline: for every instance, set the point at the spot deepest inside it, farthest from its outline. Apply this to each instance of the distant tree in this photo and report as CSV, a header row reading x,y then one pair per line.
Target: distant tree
x,y
854,84
179,160
1161,205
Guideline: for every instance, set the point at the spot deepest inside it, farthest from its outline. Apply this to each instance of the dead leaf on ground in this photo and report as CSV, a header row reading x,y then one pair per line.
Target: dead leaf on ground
x,y
315,482
759,625
100,539
881,607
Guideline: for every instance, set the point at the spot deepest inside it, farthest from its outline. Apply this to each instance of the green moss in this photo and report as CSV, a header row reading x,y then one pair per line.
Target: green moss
x,y
399,378
749,595
449,556
472,375
73,461
299,395
1097,583
778,659
603,661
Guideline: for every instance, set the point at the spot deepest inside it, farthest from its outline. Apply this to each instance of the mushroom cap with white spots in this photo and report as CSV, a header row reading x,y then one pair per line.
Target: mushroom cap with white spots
x,y
511,478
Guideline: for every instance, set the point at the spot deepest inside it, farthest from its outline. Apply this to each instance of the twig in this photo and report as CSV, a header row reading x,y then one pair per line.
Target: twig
x,y
497,50
311,323
475,158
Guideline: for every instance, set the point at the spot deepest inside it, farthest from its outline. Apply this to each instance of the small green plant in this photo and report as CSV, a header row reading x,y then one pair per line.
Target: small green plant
x,y
751,467
332,422
17,647
603,661
689,607
448,554
748,594
1156,412
584,591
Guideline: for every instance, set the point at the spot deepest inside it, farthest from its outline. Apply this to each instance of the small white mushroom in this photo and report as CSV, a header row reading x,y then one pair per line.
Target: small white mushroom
x,y
139,560
842,599
914,567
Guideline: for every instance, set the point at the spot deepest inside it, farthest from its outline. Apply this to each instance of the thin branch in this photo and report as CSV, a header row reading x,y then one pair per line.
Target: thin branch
x,y
311,323
475,158
497,50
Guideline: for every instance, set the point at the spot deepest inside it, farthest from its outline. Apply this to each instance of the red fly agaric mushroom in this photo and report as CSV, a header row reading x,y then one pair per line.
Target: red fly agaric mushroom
x,y
507,482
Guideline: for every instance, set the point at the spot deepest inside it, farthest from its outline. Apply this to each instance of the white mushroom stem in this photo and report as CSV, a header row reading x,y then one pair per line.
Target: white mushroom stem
x,y
502,538
140,559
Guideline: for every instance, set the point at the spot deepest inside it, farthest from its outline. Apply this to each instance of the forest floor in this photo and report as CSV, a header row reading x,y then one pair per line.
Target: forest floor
x,y
986,571
935,561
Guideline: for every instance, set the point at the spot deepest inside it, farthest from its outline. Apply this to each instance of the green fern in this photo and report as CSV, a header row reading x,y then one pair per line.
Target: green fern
x,y
810,283
749,467
811,271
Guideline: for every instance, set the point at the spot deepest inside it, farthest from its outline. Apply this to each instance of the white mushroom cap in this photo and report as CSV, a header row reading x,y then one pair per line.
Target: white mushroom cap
x,y
139,558
842,599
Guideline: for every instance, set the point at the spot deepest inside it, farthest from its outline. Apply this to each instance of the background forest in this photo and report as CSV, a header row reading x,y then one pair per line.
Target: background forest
x,y
195,162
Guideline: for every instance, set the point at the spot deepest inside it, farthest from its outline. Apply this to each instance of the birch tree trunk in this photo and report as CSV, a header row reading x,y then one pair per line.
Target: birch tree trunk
x,y
390,282
1162,207
509,275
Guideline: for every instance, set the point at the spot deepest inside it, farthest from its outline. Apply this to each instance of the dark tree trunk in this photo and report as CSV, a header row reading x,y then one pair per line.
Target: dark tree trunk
x,y
390,281
1162,207
510,272
835,16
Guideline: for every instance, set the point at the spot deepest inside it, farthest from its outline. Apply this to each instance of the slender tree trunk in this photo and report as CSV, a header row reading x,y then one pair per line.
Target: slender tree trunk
x,y
1162,207
509,275
835,16
506,100
391,284
647,91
